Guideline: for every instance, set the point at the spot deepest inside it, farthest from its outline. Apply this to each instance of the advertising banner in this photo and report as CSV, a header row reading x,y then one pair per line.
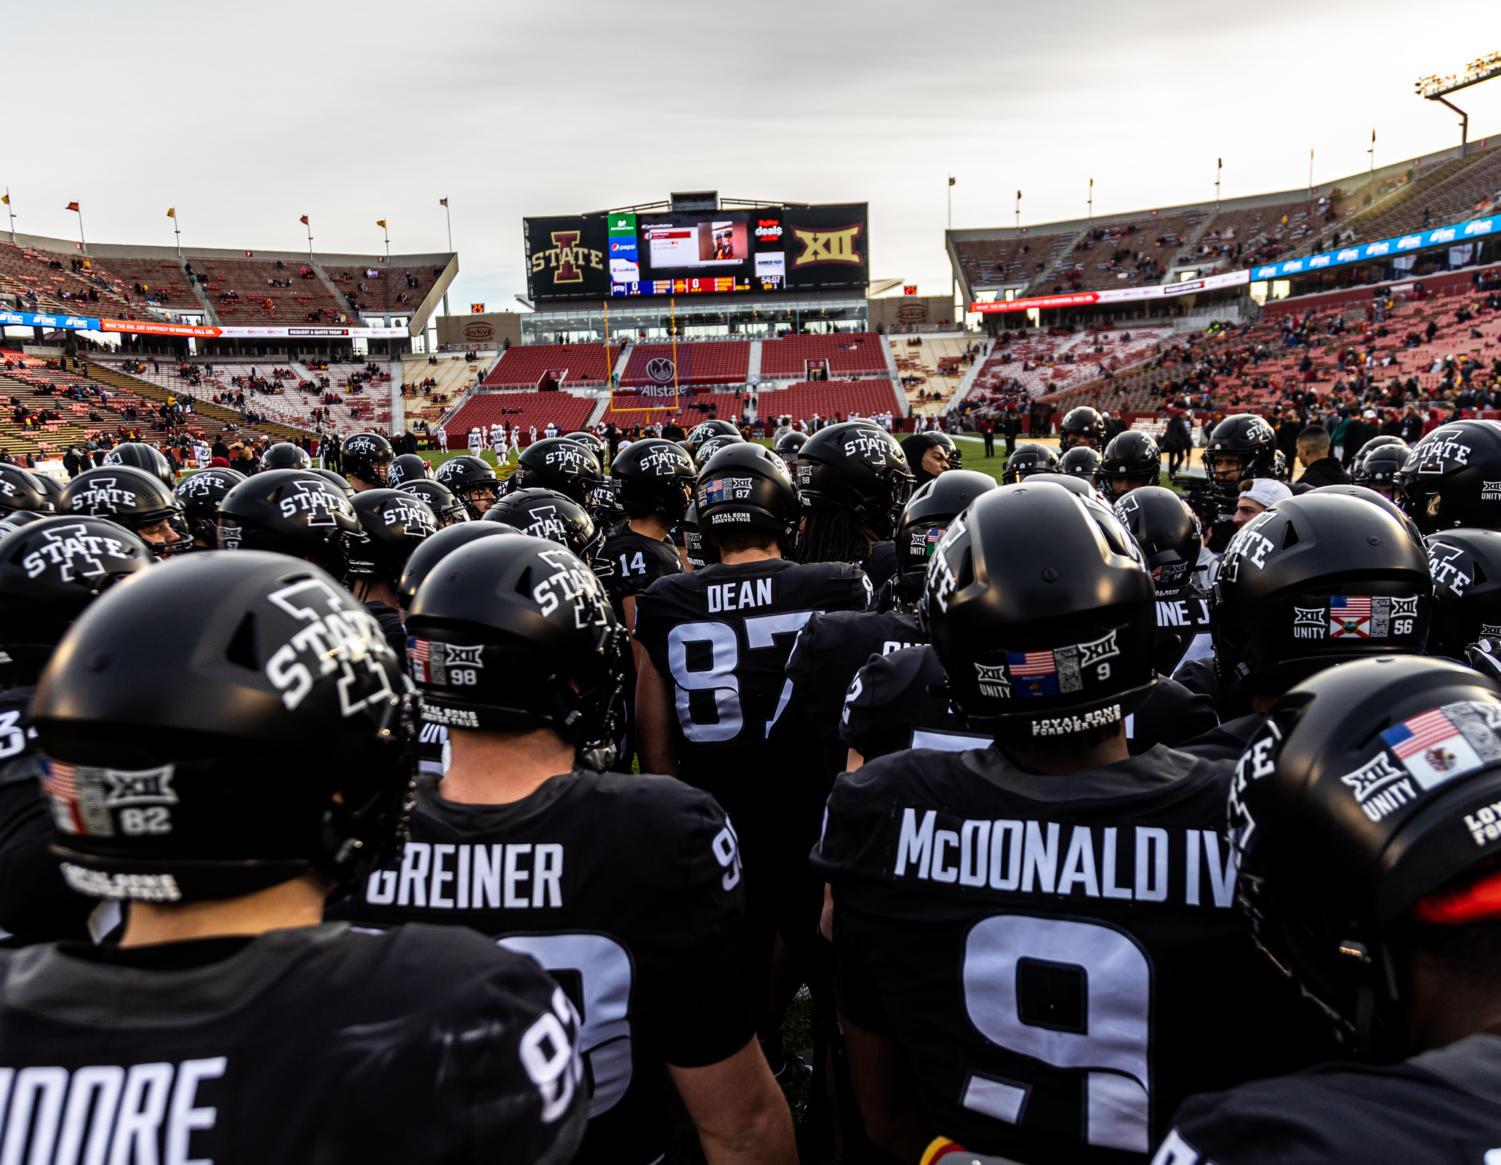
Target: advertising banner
x,y
1381,249
566,257
827,246
1113,294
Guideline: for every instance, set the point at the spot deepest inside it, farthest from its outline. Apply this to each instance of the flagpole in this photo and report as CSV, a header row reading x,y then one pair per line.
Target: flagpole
x,y
1310,179
1372,153
1219,169
448,216
1018,210
11,210
83,243
1091,204
307,221
177,230
953,274
385,230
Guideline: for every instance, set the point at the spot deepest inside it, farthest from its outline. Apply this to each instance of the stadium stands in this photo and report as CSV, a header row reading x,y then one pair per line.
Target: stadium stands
x,y
1255,234
1013,261
844,354
450,376
1456,191
1125,254
830,398
159,282
625,410
931,367
484,409
381,290
707,362
1041,362
56,281
524,366
250,291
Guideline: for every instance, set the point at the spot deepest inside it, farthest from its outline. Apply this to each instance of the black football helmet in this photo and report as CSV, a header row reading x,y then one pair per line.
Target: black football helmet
x,y
23,491
557,463
395,523
1130,461
285,455
445,541
136,500
1167,532
516,634
1243,445
927,514
337,480
289,512
53,568
855,467
1313,581
472,481
367,457
653,476
1466,569
1377,466
408,467
200,494
746,487
1081,426
1081,461
1027,459
1051,643
255,716
1081,487
706,429
546,513
15,519
917,446
147,458
712,445
439,499
787,445
1452,477
592,442
1364,806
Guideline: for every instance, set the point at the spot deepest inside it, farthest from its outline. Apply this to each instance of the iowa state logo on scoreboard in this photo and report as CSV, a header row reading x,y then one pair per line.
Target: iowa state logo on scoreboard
x,y
828,246
567,257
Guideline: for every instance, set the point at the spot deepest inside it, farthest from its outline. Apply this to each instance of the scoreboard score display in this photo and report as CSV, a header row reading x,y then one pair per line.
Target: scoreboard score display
x,y
771,249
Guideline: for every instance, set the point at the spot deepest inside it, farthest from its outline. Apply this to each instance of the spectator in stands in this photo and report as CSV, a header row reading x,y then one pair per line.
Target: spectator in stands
x,y
1320,467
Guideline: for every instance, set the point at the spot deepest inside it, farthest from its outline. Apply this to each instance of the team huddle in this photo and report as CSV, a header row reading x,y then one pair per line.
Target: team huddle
x,y
392,815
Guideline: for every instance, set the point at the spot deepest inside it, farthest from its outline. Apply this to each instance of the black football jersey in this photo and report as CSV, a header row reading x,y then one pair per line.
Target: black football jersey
x,y
1438,1108
318,1044
1059,957
899,701
720,638
829,653
628,890
1228,740
391,626
35,903
1182,630
628,563
880,564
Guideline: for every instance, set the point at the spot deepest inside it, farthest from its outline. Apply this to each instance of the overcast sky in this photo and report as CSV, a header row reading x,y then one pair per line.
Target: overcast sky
x,y
244,117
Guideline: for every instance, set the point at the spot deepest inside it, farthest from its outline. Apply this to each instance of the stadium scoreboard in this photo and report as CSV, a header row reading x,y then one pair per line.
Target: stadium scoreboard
x,y
626,254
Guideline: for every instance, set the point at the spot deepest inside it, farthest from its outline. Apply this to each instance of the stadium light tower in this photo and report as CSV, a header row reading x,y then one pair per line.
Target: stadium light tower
x,y
1435,88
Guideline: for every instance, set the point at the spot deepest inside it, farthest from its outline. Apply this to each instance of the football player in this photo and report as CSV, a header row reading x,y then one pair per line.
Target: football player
x,y
712,680
409,467
1130,461
1466,569
1379,463
1241,446
285,455
365,459
472,481
853,481
1081,461
394,523
1081,426
228,740
1168,533
50,571
200,494
629,888
1027,459
546,513
299,514
132,498
1449,478
1034,939
22,491
930,454
1365,815
146,458
439,499
561,464
1313,581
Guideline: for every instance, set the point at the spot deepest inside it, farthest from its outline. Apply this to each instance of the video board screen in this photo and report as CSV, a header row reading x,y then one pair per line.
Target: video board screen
x,y
713,252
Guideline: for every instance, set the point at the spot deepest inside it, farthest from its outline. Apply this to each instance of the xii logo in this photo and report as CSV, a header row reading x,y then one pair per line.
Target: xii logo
x,y
836,246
